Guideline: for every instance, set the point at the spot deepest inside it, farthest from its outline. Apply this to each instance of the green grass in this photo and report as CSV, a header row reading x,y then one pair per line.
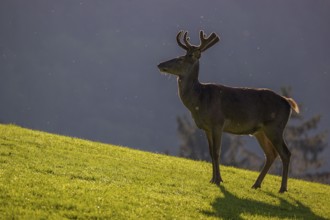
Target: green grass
x,y
46,176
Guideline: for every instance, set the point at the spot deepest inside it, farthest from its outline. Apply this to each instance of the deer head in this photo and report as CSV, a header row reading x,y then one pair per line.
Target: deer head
x,y
183,65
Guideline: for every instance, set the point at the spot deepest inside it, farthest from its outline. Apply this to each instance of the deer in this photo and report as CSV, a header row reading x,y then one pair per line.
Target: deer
x,y
217,108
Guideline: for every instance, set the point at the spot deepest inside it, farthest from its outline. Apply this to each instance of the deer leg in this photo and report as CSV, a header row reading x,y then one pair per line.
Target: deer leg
x,y
210,141
270,153
285,157
216,155
276,137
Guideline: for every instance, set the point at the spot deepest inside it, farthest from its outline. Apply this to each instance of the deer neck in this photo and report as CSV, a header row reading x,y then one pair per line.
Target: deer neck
x,y
190,88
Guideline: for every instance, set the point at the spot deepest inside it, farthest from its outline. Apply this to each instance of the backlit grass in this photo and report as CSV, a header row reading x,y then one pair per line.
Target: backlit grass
x,y
46,176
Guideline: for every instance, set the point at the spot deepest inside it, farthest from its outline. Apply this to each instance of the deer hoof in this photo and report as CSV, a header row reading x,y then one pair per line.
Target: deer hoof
x,y
256,186
213,180
216,181
283,190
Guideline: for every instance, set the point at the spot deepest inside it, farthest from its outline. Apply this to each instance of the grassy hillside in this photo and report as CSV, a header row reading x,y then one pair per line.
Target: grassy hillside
x,y
49,176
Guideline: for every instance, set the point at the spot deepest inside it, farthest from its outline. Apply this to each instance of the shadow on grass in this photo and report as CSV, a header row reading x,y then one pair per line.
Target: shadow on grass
x,y
231,207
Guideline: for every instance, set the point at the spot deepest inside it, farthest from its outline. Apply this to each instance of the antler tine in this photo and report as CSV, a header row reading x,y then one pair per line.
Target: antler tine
x,y
186,40
178,39
207,42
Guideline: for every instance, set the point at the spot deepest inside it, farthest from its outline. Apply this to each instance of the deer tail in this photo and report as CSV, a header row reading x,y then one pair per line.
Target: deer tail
x,y
293,104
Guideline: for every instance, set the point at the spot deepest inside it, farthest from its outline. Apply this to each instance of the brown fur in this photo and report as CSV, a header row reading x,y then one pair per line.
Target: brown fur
x,y
218,108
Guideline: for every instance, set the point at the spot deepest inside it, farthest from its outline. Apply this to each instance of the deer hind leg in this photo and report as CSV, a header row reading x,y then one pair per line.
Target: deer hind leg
x,y
270,154
276,137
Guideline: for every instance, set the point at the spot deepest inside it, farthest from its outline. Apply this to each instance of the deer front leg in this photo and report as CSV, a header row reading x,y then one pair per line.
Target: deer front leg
x,y
216,155
214,140
210,142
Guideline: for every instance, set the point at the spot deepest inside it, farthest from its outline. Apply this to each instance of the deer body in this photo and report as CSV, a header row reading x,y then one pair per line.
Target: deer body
x,y
218,108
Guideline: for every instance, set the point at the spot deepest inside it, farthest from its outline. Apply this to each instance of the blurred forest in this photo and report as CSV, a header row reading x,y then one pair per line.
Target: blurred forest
x,y
88,69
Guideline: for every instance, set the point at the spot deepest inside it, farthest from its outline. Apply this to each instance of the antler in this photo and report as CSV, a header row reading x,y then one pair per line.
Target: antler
x,y
187,46
206,42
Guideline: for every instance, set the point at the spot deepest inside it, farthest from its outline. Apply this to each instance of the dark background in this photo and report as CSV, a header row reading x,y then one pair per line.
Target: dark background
x,y
88,68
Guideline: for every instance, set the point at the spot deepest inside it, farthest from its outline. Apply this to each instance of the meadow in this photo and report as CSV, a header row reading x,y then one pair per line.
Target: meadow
x,y
48,176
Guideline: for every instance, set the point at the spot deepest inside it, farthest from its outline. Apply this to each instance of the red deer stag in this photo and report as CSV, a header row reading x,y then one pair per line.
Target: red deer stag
x,y
243,111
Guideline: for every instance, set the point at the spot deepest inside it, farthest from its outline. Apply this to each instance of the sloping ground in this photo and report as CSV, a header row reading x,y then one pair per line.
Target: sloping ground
x,y
49,176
